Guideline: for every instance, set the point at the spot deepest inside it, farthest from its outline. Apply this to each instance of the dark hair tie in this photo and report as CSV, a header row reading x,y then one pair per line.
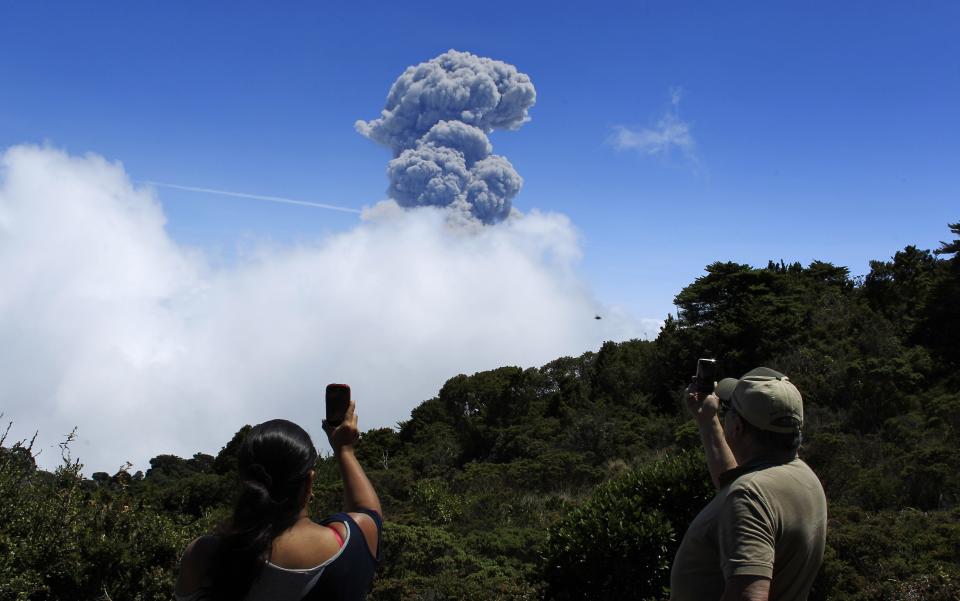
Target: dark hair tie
x,y
260,474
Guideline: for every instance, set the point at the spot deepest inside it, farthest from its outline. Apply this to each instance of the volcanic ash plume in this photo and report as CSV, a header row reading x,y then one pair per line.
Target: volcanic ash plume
x,y
436,121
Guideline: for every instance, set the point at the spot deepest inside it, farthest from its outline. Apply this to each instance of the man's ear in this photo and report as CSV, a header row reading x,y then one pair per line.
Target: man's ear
x,y
738,428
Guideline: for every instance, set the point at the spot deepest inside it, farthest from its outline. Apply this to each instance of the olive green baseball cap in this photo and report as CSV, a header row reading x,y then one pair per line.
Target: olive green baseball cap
x,y
765,398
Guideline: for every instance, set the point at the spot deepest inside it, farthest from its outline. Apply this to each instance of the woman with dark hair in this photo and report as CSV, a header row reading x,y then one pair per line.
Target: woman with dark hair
x,y
270,549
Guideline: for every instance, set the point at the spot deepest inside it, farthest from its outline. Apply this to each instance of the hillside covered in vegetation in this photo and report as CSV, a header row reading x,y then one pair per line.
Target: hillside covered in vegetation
x,y
576,480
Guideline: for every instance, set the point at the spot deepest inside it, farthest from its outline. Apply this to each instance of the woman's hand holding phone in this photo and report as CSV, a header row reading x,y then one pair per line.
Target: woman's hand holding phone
x,y
346,434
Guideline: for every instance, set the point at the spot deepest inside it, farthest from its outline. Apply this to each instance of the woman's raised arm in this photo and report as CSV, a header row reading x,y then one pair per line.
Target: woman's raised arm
x,y
358,492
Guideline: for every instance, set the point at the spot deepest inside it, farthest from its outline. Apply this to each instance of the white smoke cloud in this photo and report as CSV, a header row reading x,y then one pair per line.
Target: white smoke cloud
x,y
109,325
669,133
436,121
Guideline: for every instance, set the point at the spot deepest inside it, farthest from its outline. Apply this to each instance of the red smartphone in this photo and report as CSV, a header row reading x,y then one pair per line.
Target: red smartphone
x,y
338,400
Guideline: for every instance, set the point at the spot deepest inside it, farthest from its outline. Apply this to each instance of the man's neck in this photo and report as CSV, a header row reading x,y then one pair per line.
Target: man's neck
x,y
757,461
752,454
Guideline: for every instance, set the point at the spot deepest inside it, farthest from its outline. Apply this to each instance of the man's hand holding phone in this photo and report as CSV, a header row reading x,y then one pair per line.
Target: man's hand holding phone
x,y
702,403
704,407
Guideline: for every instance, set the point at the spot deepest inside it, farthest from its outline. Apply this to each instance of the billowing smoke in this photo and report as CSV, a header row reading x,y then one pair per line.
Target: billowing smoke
x,y
436,121
110,325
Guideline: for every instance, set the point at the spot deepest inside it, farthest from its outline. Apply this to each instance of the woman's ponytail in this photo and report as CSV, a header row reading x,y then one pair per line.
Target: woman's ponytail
x,y
273,463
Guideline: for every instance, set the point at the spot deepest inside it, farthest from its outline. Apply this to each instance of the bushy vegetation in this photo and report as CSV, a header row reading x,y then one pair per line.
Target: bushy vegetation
x,y
63,537
620,543
577,479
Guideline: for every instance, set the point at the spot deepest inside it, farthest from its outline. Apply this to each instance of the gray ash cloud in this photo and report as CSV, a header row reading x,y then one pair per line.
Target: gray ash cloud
x,y
436,121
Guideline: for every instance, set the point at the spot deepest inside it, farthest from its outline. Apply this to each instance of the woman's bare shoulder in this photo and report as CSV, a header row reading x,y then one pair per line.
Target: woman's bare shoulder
x,y
194,562
305,546
201,548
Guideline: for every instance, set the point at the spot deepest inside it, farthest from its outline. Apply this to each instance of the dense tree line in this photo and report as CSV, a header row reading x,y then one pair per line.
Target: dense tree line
x,y
577,479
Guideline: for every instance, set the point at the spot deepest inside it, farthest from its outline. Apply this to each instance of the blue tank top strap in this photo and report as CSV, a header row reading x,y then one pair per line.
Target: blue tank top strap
x,y
355,529
350,576
374,516
379,522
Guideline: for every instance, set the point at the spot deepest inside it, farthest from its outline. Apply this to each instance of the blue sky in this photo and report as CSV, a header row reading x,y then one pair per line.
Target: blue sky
x,y
754,131
823,131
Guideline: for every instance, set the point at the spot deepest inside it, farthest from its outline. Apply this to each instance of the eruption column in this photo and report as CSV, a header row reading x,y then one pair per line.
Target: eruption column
x,y
436,121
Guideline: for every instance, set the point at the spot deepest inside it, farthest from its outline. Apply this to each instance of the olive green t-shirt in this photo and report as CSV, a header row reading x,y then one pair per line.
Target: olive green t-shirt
x,y
771,521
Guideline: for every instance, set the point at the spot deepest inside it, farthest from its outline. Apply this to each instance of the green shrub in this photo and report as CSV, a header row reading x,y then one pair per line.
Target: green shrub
x,y
427,563
875,556
63,540
619,544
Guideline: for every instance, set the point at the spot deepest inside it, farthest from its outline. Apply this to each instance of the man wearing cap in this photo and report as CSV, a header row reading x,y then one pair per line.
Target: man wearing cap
x,y
762,536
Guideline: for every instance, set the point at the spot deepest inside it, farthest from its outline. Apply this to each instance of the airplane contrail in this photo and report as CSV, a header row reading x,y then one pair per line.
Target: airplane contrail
x,y
280,199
